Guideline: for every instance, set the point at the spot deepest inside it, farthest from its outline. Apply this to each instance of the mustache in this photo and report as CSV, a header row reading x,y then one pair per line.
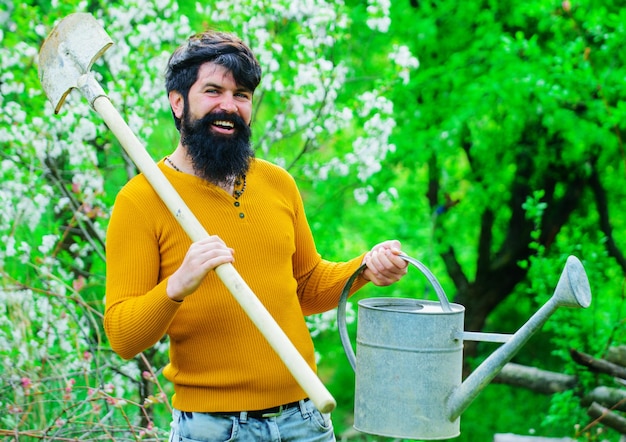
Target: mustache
x,y
236,119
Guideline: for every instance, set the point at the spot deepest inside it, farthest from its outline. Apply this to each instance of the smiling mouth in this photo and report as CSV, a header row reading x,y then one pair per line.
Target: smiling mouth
x,y
223,124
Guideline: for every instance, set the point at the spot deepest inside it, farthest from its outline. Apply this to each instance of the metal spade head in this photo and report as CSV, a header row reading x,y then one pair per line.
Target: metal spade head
x,y
68,53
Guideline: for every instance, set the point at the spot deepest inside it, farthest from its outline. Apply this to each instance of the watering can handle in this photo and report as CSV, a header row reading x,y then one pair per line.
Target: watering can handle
x,y
341,308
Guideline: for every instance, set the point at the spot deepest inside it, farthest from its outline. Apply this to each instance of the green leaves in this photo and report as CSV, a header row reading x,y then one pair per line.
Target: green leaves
x,y
469,130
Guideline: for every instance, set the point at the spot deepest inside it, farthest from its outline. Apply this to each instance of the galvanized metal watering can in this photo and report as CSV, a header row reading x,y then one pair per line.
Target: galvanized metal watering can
x,y
409,357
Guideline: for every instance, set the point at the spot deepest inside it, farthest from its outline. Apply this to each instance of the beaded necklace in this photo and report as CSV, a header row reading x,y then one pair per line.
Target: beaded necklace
x,y
238,181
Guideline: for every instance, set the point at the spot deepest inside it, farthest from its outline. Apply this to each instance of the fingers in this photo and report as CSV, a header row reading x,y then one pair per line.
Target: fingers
x,y
202,257
384,264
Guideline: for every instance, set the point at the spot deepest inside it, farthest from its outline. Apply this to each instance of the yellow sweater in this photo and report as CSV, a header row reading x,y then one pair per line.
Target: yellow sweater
x,y
219,361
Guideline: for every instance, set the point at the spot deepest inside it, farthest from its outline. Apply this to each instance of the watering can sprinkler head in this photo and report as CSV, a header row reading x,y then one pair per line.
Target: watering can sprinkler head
x,y
573,289
410,357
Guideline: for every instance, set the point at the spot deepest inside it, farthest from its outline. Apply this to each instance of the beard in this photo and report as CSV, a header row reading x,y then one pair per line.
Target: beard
x,y
218,158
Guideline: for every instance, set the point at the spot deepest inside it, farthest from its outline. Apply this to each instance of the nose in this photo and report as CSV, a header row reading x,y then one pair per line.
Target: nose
x,y
228,104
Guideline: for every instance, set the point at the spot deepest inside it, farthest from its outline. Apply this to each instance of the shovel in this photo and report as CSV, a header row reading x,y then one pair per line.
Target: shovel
x,y
65,61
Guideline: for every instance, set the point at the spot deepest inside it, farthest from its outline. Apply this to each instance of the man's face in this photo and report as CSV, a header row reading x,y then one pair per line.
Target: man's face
x,y
215,125
215,90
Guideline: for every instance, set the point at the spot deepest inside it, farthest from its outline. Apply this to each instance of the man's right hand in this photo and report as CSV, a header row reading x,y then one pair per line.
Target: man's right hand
x,y
202,257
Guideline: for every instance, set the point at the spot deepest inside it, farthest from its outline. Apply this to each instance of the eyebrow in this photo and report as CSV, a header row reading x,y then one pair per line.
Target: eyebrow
x,y
210,84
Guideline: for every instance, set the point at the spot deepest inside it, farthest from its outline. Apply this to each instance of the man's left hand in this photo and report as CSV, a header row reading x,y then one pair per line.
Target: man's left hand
x,y
384,264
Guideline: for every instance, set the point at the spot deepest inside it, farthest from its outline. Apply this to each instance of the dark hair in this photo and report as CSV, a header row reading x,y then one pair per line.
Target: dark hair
x,y
221,48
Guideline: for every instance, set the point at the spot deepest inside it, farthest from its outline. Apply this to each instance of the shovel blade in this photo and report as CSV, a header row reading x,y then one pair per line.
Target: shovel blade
x,y
68,53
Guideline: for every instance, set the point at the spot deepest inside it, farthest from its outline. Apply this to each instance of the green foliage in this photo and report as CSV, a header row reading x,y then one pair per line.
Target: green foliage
x,y
511,108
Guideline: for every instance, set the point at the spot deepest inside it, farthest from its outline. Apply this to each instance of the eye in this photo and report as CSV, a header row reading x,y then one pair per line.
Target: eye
x,y
244,95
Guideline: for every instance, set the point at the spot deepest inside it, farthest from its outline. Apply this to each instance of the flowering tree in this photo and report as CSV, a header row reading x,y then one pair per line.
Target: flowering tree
x,y
59,174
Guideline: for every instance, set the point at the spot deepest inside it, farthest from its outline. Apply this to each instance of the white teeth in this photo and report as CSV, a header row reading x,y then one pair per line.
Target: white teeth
x,y
225,123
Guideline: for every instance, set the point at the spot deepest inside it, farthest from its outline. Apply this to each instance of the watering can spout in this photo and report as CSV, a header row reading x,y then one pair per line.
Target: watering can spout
x,y
572,290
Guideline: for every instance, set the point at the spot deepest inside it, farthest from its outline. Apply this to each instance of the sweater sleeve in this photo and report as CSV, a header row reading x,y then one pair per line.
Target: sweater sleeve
x,y
138,311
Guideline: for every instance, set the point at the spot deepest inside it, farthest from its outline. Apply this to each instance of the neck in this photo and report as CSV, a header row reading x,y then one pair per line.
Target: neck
x,y
228,186
179,161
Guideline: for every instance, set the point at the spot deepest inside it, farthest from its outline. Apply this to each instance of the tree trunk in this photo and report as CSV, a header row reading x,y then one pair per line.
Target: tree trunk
x,y
535,379
607,417
598,365
613,398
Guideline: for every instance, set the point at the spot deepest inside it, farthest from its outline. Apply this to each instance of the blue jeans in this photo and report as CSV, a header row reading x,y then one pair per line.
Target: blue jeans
x,y
303,423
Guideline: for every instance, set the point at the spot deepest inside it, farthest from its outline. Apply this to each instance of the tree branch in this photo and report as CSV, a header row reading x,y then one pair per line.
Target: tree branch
x,y
605,223
614,398
535,379
485,242
455,271
598,365
606,417
559,210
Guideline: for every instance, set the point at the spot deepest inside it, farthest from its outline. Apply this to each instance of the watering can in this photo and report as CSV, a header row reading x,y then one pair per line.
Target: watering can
x,y
409,358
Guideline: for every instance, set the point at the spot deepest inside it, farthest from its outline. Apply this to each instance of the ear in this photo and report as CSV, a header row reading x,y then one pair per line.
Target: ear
x,y
177,102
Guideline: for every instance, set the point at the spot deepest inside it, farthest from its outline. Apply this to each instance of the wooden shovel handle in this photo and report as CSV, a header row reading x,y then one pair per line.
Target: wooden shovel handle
x,y
257,312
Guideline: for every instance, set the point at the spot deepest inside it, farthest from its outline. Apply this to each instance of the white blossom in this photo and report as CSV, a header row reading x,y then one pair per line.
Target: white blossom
x,y
361,194
378,11
387,198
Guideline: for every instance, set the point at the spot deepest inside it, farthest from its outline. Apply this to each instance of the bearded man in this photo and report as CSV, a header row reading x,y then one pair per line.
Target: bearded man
x,y
229,384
